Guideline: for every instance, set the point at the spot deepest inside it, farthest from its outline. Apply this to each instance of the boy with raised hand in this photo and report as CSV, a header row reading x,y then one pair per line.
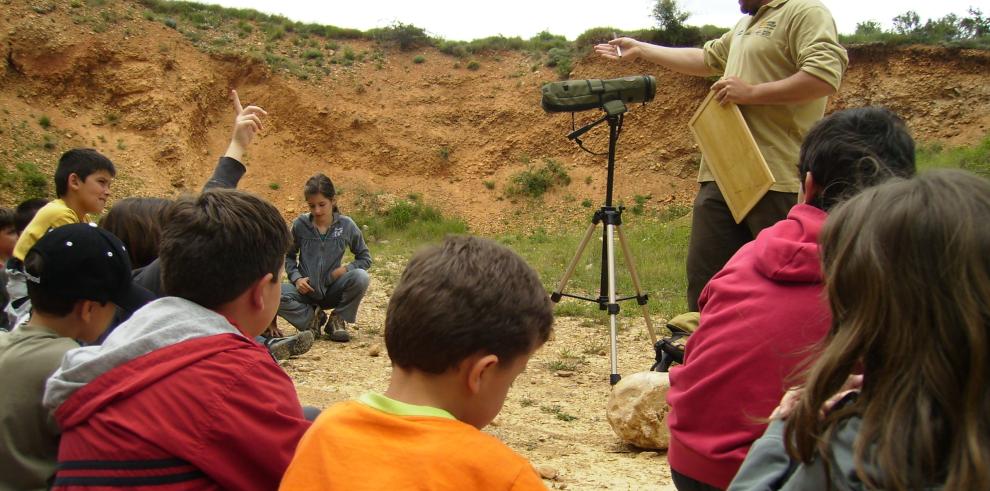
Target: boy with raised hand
x,y
76,274
82,187
460,327
180,393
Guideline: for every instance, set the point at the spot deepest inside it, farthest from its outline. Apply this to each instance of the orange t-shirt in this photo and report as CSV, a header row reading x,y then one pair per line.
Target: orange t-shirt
x,y
379,443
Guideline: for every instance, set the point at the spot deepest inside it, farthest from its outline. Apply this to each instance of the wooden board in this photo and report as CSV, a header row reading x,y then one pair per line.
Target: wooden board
x,y
732,155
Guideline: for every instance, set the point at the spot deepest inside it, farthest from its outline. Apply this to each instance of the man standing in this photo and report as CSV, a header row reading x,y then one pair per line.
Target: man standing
x,y
779,64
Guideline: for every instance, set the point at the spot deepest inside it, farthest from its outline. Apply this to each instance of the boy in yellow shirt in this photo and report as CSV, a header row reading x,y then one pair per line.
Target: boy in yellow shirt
x,y
460,327
82,186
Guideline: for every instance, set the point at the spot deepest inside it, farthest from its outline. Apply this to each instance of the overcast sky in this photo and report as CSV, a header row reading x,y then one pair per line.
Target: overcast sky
x,y
467,19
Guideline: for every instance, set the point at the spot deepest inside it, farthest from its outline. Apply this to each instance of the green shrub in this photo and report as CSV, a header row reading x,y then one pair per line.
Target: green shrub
x,y
170,22
489,185
274,186
35,183
545,41
444,152
419,59
473,65
586,203
535,182
313,54
276,34
405,36
44,122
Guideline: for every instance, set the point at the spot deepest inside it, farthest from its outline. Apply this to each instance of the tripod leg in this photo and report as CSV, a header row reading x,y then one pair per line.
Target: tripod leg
x,y
573,264
613,306
631,264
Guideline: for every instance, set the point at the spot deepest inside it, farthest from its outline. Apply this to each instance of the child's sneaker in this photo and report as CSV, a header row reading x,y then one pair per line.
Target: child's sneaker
x,y
282,348
336,329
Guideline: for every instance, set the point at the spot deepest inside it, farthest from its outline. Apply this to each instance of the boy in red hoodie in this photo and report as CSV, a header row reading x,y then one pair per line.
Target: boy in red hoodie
x,y
764,311
180,395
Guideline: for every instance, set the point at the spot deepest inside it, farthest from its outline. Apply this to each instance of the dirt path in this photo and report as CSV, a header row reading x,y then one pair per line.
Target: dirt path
x,y
554,414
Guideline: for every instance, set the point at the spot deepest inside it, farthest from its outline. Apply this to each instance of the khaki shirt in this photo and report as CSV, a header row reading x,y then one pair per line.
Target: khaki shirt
x,y
784,37
28,356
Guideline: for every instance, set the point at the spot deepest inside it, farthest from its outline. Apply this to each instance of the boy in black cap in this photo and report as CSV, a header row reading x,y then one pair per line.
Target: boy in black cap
x,y
76,274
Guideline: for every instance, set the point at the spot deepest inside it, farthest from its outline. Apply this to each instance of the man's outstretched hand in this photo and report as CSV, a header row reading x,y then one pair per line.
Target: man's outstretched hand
x,y
247,122
619,49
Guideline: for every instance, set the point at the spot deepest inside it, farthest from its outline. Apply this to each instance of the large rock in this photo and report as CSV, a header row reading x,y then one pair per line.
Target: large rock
x,y
637,410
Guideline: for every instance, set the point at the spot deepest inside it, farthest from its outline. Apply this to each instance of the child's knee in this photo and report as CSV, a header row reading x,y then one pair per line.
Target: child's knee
x,y
359,278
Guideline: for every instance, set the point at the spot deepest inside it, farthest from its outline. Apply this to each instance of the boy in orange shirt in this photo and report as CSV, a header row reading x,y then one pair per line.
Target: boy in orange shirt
x,y
460,327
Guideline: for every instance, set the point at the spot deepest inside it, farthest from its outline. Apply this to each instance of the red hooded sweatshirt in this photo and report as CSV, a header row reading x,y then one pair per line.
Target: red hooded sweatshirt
x,y
175,398
759,316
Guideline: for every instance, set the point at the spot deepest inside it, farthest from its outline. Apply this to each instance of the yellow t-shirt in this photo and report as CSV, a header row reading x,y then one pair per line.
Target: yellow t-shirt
x,y
379,443
55,214
784,37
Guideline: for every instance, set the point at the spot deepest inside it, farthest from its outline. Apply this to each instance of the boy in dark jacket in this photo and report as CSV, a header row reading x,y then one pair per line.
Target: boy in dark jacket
x,y
762,312
180,393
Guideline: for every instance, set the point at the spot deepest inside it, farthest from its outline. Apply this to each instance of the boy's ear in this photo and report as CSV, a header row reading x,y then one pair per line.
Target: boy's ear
x,y
478,369
74,181
810,189
85,310
257,293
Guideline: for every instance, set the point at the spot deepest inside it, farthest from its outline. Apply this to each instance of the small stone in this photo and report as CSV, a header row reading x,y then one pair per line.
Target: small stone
x,y
546,472
647,455
375,351
564,373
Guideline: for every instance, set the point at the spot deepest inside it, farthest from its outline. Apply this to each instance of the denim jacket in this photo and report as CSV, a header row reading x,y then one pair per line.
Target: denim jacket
x,y
315,256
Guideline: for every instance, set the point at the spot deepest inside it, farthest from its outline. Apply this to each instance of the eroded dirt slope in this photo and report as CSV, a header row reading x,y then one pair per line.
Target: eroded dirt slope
x,y
143,94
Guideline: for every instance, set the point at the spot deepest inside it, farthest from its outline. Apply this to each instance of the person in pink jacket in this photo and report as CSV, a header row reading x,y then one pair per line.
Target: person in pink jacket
x,y
764,311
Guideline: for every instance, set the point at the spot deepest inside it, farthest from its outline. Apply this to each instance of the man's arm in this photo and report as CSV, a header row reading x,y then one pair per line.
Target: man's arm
x,y
798,88
689,61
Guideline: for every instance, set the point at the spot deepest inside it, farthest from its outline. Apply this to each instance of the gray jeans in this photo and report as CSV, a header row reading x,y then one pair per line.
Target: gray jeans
x,y
343,296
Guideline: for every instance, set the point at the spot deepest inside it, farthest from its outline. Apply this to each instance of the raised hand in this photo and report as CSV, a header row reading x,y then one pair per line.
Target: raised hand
x,y
247,122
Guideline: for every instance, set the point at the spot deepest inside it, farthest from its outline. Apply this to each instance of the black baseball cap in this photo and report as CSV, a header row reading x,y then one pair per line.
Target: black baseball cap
x,y
84,262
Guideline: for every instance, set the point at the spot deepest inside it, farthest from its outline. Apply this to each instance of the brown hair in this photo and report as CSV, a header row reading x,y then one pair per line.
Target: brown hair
x,y
138,224
908,282
217,244
320,184
465,296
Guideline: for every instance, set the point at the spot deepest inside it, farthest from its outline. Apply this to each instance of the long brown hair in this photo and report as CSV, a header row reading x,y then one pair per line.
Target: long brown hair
x,y
907,267
137,222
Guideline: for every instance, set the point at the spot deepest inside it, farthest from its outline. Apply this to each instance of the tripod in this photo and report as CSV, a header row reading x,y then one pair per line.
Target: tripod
x,y
611,218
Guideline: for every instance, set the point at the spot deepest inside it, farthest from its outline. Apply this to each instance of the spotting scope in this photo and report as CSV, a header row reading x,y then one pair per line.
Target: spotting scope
x,y
580,95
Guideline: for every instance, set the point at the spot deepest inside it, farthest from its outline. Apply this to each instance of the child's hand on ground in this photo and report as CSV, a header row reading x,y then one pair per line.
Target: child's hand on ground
x,y
302,286
247,122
